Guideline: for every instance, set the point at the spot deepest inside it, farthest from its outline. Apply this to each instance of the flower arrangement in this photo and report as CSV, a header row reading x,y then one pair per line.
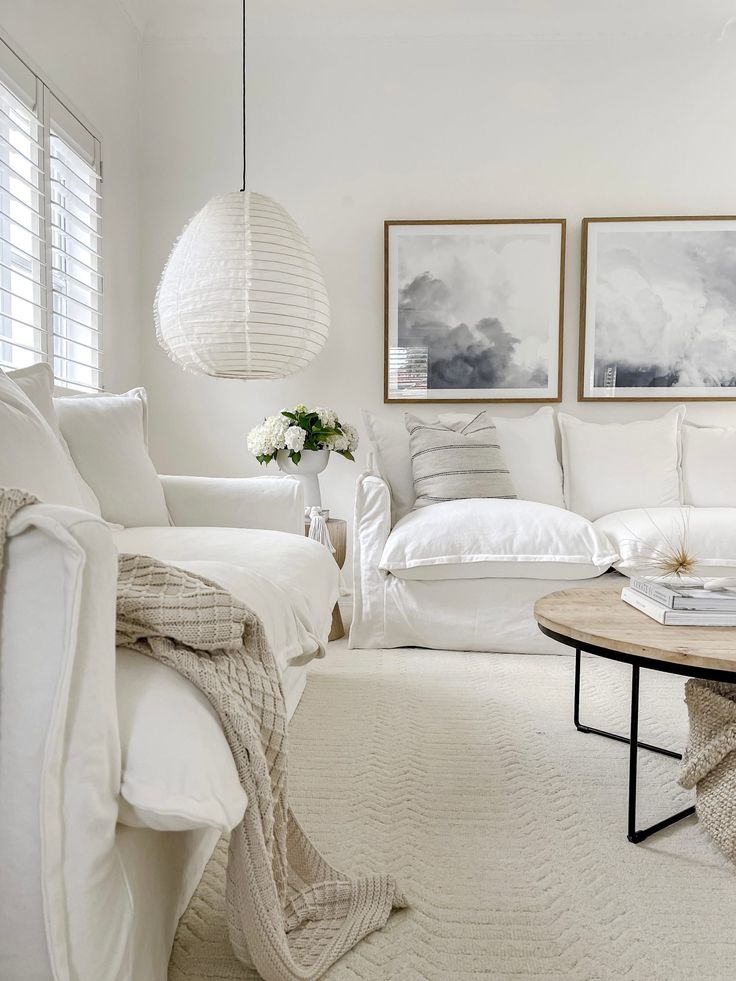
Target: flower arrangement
x,y
299,429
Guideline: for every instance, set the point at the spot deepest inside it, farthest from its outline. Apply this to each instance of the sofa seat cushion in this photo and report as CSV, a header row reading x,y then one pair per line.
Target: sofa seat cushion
x,y
177,769
640,535
488,538
302,568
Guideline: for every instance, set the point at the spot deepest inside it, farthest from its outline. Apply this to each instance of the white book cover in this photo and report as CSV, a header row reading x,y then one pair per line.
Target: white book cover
x,y
676,618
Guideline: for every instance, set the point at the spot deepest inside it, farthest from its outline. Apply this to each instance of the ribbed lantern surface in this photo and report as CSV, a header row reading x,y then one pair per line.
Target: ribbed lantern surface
x,y
242,295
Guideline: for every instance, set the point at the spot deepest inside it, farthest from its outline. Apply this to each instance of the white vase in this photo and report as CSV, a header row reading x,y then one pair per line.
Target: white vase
x,y
312,463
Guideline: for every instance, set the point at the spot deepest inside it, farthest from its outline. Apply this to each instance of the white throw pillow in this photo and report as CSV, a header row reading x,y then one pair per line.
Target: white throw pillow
x,y
31,457
528,443
178,770
709,466
490,538
614,466
37,382
106,438
638,535
390,442
530,447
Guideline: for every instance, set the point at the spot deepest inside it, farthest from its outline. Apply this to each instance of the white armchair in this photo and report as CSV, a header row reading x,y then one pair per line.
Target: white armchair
x,y
74,902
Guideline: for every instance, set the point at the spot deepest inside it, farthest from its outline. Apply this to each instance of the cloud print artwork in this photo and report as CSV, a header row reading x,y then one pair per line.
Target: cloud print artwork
x,y
660,309
473,310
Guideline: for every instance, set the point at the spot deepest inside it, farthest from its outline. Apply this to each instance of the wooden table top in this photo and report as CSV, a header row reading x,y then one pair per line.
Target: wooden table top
x,y
598,616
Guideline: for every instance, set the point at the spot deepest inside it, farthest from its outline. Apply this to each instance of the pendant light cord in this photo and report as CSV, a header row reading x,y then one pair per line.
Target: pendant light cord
x,y
243,90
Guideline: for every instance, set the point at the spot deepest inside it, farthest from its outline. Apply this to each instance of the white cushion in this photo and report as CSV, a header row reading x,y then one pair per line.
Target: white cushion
x,y
489,538
530,447
31,457
106,438
37,382
528,444
615,466
303,569
638,534
709,466
178,770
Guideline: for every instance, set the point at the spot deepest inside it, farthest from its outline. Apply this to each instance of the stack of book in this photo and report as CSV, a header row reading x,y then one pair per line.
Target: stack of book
x,y
682,606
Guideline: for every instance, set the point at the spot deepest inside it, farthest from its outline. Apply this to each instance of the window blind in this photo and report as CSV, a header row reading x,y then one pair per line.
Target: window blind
x,y
76,273
50,233
23,306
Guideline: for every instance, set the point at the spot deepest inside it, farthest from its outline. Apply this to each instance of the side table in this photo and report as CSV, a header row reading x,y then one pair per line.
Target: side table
x,y
338,530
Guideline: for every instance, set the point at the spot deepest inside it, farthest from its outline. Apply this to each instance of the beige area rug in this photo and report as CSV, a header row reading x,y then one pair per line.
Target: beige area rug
x,y
463,774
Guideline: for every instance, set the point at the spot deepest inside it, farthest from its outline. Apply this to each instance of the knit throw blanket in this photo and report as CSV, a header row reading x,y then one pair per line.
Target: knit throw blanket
x,y
290,915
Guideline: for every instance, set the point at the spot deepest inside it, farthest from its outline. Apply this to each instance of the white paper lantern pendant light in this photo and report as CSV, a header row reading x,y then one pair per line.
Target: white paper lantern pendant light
x,y
242,294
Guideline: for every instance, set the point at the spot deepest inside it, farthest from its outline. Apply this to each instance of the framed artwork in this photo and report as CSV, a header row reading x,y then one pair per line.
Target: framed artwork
x,y
473,310
658,309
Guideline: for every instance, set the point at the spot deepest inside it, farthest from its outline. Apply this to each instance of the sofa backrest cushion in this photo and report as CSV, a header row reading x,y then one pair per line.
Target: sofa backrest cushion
x,y
615,466
709,466
528,443
31,456
452,463
107,439
530,447
37,382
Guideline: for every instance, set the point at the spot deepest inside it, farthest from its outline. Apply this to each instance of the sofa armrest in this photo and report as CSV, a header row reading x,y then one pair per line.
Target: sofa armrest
x,y
65,908
371,528
273,503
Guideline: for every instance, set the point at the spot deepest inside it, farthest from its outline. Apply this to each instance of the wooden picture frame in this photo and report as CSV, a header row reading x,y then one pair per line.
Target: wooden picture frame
x,y
655,322
443,340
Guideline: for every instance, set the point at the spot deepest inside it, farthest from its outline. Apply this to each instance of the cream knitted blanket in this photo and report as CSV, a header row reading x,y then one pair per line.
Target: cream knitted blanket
x,y
290,914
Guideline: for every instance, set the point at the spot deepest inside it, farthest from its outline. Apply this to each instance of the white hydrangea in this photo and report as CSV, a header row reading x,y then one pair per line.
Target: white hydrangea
x,y
257,441
337,443
328,417
351,434
276,427
294,438
269,437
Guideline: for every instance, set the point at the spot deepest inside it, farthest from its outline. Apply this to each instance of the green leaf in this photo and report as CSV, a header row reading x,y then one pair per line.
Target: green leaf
x,y
295,457
289,415
348,455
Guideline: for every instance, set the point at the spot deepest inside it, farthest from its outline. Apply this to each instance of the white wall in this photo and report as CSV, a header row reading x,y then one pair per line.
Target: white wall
x,y
89,53
358,113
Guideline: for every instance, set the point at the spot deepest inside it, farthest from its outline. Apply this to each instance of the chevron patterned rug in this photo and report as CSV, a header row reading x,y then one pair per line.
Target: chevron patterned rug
x,y
463,775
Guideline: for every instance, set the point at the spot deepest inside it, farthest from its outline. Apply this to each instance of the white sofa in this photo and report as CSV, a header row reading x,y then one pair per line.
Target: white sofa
x,y
594,505
116,778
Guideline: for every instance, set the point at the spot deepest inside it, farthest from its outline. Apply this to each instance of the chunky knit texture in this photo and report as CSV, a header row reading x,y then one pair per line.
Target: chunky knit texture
x,y
709,763
11,500
289,913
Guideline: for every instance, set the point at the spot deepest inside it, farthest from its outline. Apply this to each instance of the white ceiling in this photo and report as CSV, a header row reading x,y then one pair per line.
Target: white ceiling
x,y
493,18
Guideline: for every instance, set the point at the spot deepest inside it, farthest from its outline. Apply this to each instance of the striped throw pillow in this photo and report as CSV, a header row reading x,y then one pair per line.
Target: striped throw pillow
x,y
450,463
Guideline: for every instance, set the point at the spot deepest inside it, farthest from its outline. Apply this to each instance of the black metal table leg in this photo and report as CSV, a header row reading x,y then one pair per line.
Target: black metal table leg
x,y
633,752
635,745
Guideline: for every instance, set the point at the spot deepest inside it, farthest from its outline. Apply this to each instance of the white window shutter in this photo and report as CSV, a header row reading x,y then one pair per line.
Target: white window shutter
x,y
50,232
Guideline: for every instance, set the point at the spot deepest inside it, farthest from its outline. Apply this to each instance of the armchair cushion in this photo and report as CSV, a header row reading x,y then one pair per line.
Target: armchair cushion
x,y
492,538
31,456
302,568
106,436
275,503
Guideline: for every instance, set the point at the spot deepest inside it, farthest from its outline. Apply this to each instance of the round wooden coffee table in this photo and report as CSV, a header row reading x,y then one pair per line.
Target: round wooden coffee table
x,y
596,620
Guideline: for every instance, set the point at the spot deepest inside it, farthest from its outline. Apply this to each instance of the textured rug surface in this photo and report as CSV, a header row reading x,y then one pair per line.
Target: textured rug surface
x,y
463,774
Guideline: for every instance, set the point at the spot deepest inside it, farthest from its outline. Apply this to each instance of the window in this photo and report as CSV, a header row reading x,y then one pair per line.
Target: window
x,y
50,232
